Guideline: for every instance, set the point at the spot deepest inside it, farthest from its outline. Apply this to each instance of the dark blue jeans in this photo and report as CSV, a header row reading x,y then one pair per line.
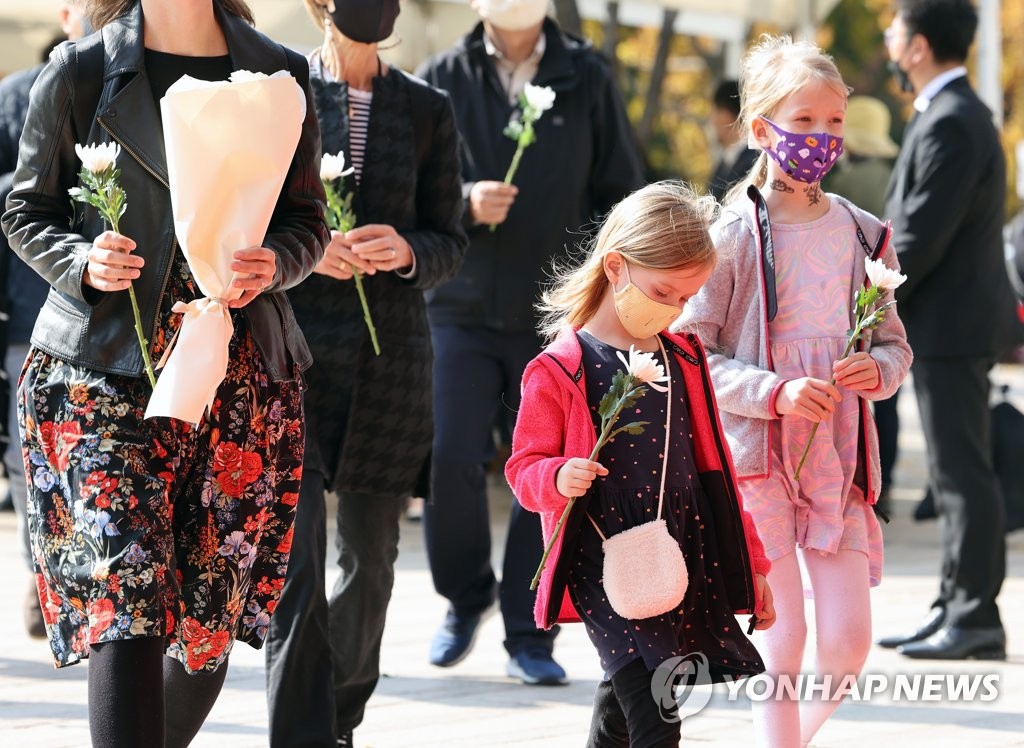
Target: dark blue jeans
x,y
477,376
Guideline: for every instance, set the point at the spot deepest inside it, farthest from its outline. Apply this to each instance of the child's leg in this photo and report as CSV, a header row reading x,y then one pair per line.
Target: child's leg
x,y
647,724
126,693
842,615
608,723
777,722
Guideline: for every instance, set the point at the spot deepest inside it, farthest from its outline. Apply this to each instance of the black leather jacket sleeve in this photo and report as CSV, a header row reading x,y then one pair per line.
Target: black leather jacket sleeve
x,y
298,232
40,215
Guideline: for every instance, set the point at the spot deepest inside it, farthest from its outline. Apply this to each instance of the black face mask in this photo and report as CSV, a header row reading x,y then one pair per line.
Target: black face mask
x,y
365,21
902,79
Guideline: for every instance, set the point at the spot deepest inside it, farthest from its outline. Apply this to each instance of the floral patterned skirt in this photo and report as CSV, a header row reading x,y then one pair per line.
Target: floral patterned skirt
x,y
157,527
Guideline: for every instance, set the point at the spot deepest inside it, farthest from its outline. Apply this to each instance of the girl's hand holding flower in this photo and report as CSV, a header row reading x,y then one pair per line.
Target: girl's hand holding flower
x,y
576,475
380,245
857,372
111,265
764,610
255,268
807,397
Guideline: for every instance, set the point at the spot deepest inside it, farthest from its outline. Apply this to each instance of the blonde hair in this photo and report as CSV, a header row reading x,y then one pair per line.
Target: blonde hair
x,y
774,69
663,226
317,9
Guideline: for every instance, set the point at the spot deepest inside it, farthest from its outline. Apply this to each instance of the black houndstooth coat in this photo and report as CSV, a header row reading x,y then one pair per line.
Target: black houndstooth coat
x,y
369,418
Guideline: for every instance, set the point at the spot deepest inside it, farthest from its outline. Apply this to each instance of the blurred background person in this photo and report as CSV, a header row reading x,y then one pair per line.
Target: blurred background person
x,y
368,417
736,158
947,202
483,322
24,292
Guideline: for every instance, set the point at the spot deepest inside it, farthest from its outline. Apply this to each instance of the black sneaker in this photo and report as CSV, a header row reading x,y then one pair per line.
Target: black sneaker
x,y
345,740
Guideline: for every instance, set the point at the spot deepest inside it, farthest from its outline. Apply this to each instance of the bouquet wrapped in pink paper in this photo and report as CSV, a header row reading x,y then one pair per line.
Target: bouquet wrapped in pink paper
x,y
229,145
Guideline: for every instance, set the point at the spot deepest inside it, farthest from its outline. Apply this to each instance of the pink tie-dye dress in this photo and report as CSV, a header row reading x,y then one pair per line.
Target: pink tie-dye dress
x,y
825,511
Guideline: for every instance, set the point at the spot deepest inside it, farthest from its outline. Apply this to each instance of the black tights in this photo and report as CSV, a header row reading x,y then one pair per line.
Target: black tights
x,y
139,698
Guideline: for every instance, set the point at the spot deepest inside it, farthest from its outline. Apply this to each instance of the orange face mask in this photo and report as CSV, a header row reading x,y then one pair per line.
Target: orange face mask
x,y
641,315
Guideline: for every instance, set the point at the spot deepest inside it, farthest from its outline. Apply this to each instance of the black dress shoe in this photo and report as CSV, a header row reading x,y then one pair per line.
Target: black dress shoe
x,y
958,643
925,508
928,626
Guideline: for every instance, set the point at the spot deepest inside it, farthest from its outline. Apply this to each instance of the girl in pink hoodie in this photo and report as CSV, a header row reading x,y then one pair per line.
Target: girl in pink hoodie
x,y
775,314
653,252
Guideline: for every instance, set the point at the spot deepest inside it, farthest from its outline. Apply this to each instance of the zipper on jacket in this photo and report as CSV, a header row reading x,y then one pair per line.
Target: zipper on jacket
x,y
730,480
174,241
767,335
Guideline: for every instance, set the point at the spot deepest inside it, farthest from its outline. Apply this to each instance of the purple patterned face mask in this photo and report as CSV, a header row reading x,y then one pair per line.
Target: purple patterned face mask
x,y
806,157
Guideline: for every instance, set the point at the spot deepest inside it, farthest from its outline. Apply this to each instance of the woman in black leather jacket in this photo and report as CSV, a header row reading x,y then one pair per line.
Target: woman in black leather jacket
x,y
369,417
153,535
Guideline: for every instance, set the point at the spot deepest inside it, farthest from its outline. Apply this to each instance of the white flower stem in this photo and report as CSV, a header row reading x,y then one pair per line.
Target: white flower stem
x,y
814,429
341,218
358,278
511,173
143,343
606,430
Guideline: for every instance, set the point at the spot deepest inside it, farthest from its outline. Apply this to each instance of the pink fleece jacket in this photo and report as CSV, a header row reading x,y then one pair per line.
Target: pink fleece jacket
x,y
554,424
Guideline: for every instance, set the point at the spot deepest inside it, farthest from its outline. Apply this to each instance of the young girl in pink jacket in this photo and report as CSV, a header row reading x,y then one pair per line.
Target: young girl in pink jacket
x,y
652,254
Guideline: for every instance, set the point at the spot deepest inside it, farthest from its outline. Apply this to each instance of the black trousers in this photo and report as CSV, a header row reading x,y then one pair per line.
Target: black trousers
x,y
952,395
323,654
626,714
476,373
887,423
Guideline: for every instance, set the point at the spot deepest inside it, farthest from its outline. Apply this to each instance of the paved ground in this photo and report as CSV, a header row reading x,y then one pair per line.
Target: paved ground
x,y
475,705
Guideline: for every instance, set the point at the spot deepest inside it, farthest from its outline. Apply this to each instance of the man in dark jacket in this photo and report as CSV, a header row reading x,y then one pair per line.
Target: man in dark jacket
x,y
947,199
483,322
23,291
736,159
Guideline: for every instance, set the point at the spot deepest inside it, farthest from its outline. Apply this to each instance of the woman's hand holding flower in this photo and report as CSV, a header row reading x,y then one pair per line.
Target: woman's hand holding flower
x,y
254,269
111,266
339,259
380,245
857,372
576,475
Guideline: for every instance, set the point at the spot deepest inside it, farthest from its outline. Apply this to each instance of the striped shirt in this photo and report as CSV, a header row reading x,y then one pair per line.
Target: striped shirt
x,y
358,123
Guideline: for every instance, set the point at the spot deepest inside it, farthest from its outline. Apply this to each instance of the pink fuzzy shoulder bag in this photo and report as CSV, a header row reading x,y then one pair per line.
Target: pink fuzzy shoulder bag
x,y
644,570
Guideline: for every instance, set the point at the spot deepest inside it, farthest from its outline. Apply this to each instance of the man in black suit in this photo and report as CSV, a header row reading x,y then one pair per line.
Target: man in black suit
x,y
735,159
947,200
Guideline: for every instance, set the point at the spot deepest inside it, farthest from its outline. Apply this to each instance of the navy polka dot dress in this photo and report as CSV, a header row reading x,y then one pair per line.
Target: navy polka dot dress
x,y
628,496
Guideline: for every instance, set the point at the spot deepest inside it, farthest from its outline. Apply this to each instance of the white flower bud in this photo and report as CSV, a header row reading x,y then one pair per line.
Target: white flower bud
x,y
333,167
98,157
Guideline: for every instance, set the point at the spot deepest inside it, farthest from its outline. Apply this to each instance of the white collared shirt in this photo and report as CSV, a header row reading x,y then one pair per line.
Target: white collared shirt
x,y
931,88
515,76
731,153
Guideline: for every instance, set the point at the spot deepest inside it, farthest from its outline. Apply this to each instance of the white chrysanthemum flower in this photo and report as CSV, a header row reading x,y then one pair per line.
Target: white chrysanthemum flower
x,y
885,278
333,167
540,98
244,76
98,157
642,367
